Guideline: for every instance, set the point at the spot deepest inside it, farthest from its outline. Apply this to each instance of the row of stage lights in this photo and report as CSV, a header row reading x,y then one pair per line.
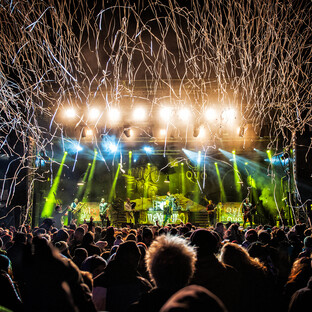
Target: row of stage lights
x,y
140,114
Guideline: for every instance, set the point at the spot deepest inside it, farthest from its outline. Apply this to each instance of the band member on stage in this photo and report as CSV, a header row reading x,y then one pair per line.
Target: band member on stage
x,y
58,216
72,210
168,208
129,207
247,211
104,213
211,212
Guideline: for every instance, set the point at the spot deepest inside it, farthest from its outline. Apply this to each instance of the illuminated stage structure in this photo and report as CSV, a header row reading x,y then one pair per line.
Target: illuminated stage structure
x,y
206,99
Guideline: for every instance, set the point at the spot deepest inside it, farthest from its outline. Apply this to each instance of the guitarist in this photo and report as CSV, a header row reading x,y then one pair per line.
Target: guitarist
x,y
247,211
211,212
73,208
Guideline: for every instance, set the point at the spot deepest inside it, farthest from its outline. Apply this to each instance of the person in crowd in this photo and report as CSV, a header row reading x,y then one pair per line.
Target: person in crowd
x,y
52,282
80,254
284,249
58,215
298,278
109,237
296,243
120,284
9,295
170,262
60,236
147,236
253,276
194,298
88,244
97,233
94,265
251,236
233,234
63,249
307,248
220,229
220,278
15,254
301,299
77,240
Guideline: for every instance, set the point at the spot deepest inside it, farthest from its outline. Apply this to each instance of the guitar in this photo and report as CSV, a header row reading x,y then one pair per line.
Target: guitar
x,y
211,208
78,208
249,210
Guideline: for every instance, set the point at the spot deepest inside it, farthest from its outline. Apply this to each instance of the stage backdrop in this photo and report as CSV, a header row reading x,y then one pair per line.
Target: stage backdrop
x,y
230,211
88,210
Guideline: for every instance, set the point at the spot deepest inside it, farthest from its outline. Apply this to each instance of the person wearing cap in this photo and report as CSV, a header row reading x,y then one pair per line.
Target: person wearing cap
x,y
194,298
221,279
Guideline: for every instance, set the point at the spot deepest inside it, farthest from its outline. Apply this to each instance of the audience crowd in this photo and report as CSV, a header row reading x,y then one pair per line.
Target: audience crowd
x,y
153,268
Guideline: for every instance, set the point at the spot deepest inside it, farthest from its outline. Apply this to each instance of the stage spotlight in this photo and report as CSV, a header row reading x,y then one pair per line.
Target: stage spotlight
x,y
184,114
114,115
89,132
70,112
229,114
233,152
94,113
128,132
165,113
202,132
139,114
112,147
148,149
162,132
210,114
196,131
78,148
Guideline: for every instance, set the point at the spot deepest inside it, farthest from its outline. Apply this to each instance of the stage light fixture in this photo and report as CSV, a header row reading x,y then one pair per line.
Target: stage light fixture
x,y
148,149
210,114
94,113
285,156
196,131
139,114
202,132
89,132
199,131
70,112
78,148
229,114
184,114
162,132
165,113
114,115
112,147
128,132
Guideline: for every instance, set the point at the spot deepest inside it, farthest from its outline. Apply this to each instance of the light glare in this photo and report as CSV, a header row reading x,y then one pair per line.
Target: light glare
x,y
139,114
211,114
70,112
184,114
114,115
